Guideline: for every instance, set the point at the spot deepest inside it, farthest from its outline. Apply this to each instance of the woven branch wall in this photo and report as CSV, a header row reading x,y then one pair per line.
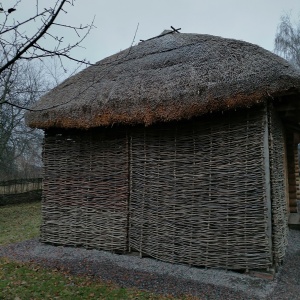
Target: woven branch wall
x,y
198,193
197,190
85,193
278,187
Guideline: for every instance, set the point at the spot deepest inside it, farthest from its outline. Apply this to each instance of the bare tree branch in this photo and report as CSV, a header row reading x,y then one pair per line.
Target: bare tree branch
x,y
34,40
10,28
24,46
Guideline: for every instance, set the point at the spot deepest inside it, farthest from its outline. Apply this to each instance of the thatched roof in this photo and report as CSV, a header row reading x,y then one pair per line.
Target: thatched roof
x,y
172,77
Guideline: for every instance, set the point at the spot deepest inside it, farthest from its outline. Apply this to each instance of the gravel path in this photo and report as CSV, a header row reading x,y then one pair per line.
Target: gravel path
x,y
165,278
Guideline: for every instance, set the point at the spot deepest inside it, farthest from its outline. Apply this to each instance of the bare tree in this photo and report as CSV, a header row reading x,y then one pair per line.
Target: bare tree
x,y
18,41
24,38
36,37
287,40
20,145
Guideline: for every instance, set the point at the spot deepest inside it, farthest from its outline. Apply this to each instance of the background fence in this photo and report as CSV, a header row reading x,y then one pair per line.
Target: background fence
x,y
20,190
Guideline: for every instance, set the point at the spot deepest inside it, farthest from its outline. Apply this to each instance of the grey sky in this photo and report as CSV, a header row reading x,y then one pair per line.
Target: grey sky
x,y
254,21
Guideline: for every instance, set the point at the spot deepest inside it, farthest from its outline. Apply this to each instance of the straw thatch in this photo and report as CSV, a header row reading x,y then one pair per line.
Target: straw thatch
x,y
172,77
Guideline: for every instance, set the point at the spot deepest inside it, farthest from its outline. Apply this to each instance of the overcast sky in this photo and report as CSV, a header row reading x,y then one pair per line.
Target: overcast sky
x,y
254,21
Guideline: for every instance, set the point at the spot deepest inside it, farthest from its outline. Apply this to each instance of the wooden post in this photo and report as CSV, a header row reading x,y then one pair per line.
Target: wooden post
x,y
286,175
268,182
296,158
129,164
291,171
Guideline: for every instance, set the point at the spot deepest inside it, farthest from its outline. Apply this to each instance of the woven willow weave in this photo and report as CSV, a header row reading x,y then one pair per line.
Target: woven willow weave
x,y
198,193
190,192
278,185
85,191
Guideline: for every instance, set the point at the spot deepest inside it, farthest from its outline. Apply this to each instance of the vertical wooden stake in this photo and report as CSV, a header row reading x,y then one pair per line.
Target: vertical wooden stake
x,y
268,181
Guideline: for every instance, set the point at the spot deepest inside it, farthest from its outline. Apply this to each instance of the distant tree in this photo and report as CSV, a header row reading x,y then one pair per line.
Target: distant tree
x,y
20,144
287,40
23,39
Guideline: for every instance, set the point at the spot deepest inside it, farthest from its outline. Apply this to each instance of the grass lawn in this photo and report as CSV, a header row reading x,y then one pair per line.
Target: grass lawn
x,y
24,281
19,222
20,281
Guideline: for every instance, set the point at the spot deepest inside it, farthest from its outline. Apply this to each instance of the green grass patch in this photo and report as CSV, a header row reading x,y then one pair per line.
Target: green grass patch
x,y
20,281
25,281
19,222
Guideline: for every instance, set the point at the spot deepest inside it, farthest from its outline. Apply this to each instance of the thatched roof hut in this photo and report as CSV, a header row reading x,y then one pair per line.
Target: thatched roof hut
x,y
173,77
181,148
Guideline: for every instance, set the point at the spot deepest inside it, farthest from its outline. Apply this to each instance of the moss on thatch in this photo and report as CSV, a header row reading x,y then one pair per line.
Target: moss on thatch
x,y
172,77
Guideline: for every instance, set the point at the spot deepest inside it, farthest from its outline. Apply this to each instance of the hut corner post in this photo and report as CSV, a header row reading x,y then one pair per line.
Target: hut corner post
x,y
293,169
129,149
266,148
293,139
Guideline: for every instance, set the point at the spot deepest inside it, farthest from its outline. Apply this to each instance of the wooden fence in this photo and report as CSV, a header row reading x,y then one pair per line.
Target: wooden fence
x,y
20,190
19,186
